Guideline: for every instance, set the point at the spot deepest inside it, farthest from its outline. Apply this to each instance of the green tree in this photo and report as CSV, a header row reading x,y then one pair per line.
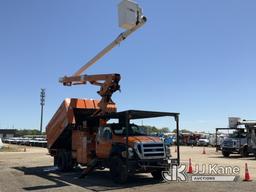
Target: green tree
x,y
23,132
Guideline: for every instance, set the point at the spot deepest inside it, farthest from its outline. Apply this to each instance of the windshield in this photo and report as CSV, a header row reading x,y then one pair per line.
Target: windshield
x,y
133,130
237,134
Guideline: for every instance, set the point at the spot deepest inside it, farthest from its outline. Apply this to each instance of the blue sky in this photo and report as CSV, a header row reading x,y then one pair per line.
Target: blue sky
x,y
193,57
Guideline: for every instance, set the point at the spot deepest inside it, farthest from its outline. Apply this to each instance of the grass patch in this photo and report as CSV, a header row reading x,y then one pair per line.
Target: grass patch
x,y
11,149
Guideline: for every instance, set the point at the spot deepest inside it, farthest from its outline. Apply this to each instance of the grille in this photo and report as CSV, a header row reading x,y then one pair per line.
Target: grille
x,y
151,150
228,144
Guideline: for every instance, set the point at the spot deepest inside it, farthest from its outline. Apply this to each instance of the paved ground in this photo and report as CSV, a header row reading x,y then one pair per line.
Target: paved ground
x,y
32,171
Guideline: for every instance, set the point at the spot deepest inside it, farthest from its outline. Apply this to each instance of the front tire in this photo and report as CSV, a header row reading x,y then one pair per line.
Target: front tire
x,y
225,153
157,175
244,152
118,170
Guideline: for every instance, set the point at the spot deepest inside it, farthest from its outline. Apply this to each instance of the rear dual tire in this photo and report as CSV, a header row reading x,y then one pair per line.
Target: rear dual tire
x,y
63,160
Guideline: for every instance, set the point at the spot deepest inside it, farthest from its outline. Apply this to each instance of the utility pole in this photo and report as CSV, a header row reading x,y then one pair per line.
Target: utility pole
x,y
42,102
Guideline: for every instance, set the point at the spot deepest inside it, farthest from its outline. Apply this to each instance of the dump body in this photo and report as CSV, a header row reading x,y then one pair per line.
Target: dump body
x,y
69,116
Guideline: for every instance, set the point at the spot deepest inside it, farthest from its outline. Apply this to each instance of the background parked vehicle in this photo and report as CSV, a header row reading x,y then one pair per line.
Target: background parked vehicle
x,y
203,142
36,141
242,140
235,143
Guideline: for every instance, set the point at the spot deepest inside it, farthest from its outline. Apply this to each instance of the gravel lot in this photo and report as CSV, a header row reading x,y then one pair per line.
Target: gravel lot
x,y
32,171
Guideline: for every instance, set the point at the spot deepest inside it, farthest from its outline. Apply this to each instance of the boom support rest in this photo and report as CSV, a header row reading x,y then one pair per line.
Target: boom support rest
x,y
109,83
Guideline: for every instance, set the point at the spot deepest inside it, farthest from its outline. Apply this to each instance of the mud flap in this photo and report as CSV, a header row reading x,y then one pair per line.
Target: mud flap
x,y
90,167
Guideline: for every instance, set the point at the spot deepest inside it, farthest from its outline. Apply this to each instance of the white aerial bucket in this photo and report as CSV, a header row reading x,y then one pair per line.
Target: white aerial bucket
x,y
129,13
233,122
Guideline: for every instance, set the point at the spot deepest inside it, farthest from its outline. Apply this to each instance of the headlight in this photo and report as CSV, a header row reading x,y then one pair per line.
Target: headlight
x,y
168,151
130,153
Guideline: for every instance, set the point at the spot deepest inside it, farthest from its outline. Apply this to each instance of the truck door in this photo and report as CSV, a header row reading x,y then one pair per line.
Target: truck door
x,y
104,142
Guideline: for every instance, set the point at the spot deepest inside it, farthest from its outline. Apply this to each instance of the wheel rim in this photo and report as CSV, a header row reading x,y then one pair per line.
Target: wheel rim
x,y
116,169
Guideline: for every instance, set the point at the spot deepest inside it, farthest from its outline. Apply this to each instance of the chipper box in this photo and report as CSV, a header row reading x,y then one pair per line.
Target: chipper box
x,y
75,137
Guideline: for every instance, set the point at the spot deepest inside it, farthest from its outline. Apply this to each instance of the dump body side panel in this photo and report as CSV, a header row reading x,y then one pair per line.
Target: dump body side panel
x,y
58,123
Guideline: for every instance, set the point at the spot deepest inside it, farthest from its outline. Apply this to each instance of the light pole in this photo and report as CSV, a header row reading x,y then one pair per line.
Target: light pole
x,y
42,102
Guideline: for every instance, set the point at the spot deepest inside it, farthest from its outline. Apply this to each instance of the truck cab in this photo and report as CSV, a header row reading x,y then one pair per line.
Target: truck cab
x,y
111,135
126,148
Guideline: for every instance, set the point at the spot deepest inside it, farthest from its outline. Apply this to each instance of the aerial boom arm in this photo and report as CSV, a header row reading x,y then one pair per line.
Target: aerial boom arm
x,y
109,83
114,43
